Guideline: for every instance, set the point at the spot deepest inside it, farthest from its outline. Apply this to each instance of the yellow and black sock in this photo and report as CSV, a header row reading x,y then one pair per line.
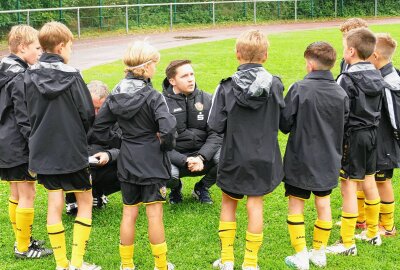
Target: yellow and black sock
x,y
12,212
82,228
160,255
253,244
24,221
126,253
372,208
297,231
348,228
322,231
56,234
361,210
226,232
387,215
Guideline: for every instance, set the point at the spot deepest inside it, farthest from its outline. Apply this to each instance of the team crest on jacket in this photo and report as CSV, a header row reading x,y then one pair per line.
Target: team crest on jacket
x,y
199,106
163,192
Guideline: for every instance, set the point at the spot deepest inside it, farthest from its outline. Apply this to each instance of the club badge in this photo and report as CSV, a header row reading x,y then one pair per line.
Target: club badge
x,y
199,106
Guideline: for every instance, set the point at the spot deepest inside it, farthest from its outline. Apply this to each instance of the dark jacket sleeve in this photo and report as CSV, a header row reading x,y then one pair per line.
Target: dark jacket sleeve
x,y
177,158
212,144
166,123
102,127
218,114
113,152
289,113
17,88
346,112
83,102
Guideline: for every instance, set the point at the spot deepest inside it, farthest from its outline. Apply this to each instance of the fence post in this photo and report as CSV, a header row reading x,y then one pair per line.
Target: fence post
x,y
376,8
79,22
170,17
213,12
295,10
100,14
60,11
126,19
335,8
255,11
19,14
28,19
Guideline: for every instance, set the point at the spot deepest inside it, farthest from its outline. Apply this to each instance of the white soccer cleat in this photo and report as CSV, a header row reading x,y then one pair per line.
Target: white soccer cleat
x,y
170,266
86,266
318,257
250,267
222,266
375,241
126,268
298,261
339,249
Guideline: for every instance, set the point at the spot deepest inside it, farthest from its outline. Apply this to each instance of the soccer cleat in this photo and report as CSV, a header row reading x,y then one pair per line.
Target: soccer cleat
x,y
222,266
38,243
339,249
318,257
386,233
170,266
71,209
86,266
62,268
375,241
126,268
201,194
299,261
175,195
33,252
250,267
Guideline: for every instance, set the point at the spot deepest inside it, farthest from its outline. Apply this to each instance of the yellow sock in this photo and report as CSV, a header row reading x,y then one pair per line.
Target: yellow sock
x,y
160,255
387,215
348,228
56,234
126,253
12,208
297,231
24,221
360,203
226,232
82,228
322,231
372,208
253,244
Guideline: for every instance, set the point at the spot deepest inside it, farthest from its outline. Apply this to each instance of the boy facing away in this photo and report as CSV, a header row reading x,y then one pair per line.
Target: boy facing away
x,y
246,107
60,111
315,115
364,86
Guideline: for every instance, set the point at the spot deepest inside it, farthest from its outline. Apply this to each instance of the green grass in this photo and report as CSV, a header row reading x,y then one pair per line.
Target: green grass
x,y
191,228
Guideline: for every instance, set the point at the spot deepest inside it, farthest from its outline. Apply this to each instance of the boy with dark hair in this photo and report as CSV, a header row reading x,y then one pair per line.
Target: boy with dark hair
x,y
364,86
251,163
60,112
315,115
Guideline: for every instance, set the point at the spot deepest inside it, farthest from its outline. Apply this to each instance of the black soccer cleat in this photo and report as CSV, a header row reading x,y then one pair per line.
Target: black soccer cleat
x,y
33,252
202,194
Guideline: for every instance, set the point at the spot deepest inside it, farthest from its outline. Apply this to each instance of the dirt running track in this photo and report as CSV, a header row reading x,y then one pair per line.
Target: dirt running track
x,y
92,52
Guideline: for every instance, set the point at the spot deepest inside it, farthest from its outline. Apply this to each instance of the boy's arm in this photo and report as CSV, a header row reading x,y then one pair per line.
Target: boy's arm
x,y
178,159
346,112
218,114
102,127
17,93
166,123
289,113
83,102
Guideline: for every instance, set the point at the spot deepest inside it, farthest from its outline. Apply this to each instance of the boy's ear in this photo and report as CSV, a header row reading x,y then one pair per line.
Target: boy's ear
x,y
58,49
238,55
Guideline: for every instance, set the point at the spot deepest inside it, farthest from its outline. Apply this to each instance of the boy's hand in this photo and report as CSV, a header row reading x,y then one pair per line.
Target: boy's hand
x,y
195,164
103,158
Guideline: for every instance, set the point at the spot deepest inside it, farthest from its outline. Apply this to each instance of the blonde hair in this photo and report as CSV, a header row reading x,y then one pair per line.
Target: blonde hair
x,y
138,55
21,35
385,45
252,46
353,23
52,34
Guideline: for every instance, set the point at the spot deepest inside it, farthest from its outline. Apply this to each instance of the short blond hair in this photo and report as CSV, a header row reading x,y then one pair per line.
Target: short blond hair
x,y
353,23
252,46
52,34
21,35
138,55
385,45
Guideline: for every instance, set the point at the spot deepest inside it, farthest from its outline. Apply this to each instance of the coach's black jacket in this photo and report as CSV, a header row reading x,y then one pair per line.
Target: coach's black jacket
x,y
111,146
141,113
194,135
315,115
388,150
61,112
246,108
364,86
14,123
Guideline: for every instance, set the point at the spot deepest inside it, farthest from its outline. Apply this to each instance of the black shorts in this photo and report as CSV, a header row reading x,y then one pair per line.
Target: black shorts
x,y
70,182
359,154
303,193
133,195
383,175
18,173
234,196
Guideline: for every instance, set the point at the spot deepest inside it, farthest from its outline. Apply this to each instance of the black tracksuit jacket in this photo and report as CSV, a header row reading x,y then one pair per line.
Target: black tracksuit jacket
x,y
315,115
246,107
194,135
141,113
61,112
14,122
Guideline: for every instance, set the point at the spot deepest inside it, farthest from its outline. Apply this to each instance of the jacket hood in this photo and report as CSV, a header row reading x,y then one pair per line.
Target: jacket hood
x,y
169,92
9,67
51,76
391,77
128,96
251,85
367,77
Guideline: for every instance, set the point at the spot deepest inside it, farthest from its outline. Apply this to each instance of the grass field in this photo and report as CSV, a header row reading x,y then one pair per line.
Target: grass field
x,y
191,228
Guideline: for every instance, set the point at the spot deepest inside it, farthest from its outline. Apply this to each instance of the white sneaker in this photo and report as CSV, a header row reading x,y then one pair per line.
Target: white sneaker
x,y
339,249
299,261
126,268
375,241
250,267
222,266
86,266
170,266
318,257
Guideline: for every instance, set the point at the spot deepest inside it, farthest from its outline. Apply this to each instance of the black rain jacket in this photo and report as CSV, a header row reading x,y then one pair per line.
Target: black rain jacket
x,y
246,107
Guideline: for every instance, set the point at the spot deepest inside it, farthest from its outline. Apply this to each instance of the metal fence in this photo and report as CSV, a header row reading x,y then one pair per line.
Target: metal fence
x,y
132,16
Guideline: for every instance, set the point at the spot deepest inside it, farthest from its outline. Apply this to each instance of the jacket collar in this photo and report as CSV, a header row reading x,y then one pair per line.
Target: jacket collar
x,y
320,75
248,66
386,69
18,60
51,58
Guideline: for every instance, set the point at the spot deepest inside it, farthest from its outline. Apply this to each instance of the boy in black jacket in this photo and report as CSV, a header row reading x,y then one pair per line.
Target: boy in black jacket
x,y
14,134
364,86
250,163
148,131
315,115
388,142
60,112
